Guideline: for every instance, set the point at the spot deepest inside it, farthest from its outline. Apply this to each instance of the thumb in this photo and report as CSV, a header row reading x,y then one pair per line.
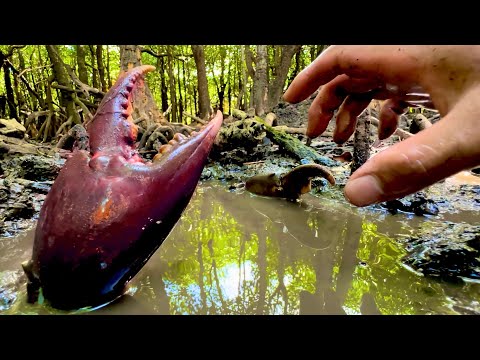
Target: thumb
x,y
449,146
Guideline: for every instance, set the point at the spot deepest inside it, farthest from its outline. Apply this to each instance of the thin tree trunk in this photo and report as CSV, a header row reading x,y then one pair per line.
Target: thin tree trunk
x,y
82,68
171,80
62,78
296,70
249,60
229,85
222,84
276,88
16,82
184,86
164,93
320,49
362,142
312,52
202,83
260,84
262,274
101,68
242,80
12,111
201,283
109,79
180,97
143,105
94,68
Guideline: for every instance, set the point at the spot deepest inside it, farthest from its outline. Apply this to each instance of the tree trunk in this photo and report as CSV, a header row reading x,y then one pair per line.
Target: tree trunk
x,y
312,53
109,79
202,83
8,88
249,60
171,83
320,49
143,104
180,97
16,82
221,85
82,68
229,85
362,142
62,78
296,70
94,68
276,88
101,68
260,84
262,273
184,85
164,93
242,80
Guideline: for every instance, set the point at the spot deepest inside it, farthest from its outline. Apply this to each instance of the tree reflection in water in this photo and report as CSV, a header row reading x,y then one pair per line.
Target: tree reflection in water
x,y
245,254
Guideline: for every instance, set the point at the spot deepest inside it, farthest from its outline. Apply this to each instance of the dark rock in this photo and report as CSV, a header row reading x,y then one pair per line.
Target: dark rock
x,y
32,167
12,128
416,204
449,251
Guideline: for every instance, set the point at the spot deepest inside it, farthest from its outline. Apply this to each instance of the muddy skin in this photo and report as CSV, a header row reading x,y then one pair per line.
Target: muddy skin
x,y
290,185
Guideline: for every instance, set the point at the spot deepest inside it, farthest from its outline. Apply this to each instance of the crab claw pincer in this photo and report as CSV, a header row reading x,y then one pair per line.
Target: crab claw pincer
x,y
108,210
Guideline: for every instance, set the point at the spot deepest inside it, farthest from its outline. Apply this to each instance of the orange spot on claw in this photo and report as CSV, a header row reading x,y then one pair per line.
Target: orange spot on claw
x,y
103,211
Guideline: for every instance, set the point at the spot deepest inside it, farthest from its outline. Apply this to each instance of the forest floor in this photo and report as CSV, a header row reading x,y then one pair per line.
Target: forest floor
x,y
27,173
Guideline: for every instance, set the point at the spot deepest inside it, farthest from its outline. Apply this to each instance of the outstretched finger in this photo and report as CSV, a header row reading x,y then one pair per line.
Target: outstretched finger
x,y
442,150
329,99
389,116
385,64
347,115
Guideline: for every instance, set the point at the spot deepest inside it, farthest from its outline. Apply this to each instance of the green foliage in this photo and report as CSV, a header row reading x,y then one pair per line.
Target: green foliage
x,y
224,65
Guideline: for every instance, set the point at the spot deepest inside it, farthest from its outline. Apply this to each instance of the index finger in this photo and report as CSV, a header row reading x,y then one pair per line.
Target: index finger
x,y
392,64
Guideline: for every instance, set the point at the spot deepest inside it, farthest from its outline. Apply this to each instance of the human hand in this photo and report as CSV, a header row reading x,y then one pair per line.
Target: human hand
x,y
444,77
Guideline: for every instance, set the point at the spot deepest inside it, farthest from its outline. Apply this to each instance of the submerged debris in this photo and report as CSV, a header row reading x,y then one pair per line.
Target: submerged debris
x,y
449,251
417,204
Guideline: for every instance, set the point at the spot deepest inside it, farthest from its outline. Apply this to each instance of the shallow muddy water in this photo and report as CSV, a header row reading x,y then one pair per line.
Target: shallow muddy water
x,y
237,253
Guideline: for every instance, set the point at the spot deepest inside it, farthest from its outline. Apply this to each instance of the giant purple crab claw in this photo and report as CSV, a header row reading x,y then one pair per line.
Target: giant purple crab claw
x,y
108,210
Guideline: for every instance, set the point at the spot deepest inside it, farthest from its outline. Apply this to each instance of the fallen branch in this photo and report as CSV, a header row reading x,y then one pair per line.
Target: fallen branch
x,y
27,85
64,125
61,87
34,116
195,118
85,89
271,119
254,162
88,114
291,130
168,111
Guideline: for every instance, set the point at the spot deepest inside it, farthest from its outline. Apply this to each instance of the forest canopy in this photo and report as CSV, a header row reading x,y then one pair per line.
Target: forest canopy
x,y
50,88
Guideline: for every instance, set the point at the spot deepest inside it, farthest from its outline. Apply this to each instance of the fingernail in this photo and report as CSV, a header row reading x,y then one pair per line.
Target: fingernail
x,y
363,191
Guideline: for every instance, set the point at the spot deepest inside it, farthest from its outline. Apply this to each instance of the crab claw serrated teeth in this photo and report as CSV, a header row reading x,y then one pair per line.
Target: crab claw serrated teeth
x,y
179,137
164,148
